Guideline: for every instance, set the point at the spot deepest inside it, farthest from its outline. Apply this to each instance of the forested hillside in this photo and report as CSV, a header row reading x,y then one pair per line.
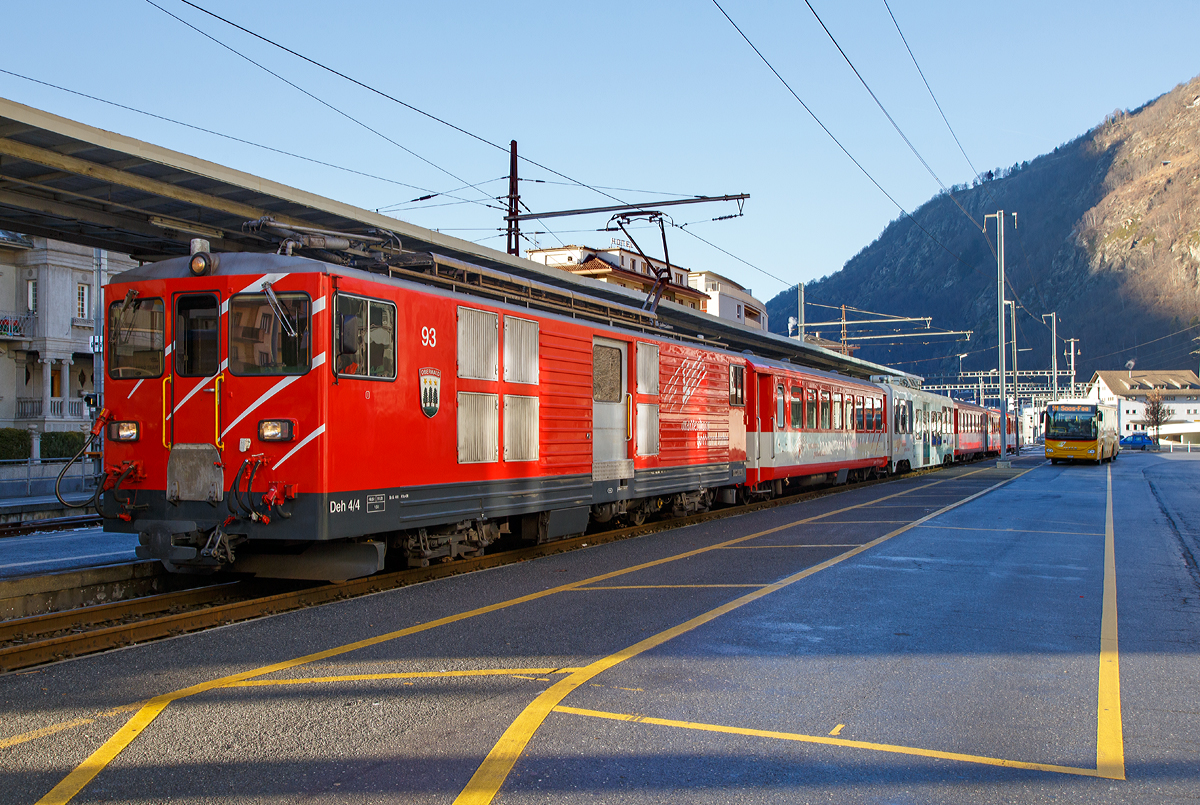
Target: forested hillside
x,y
1108,235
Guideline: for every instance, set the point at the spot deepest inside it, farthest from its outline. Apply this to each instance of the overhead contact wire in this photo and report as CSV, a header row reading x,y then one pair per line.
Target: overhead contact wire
x,y
324,103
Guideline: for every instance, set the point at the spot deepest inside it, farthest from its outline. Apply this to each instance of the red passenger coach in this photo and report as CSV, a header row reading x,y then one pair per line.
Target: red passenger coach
x,y
970,431
295,418
811,425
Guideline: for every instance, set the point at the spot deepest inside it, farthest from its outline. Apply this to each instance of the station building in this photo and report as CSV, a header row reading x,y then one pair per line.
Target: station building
x,y
1128,390
48,299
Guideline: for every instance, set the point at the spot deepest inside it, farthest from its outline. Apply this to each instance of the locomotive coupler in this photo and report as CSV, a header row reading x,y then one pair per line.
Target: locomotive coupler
x,y
218,547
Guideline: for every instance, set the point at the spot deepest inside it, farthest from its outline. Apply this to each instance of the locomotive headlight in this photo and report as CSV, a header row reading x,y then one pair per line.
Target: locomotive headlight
x,y
202,263
276,430
124,431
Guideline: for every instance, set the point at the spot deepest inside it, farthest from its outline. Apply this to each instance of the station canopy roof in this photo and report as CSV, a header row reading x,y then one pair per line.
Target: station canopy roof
x,y
69,181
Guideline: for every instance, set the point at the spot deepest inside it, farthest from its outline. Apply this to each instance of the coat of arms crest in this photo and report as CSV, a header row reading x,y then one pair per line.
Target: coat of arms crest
x,y
431,390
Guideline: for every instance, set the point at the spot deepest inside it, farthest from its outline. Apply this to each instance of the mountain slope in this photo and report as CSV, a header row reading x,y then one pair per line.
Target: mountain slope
x,y
1108,236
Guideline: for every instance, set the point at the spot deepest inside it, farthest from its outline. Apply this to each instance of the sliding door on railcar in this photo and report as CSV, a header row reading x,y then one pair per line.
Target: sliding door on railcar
x,y
612,411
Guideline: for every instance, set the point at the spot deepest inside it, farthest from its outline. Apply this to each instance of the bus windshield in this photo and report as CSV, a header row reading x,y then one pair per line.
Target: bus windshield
x,y
1070,424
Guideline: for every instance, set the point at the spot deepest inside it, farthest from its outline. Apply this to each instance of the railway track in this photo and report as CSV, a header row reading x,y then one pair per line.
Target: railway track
x,y
40,639
48,524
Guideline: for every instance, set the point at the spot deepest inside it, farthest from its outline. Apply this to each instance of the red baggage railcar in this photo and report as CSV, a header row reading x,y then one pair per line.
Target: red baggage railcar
x,y
297,418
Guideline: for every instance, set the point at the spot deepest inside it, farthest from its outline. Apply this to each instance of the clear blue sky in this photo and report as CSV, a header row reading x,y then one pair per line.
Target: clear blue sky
x,y
662,96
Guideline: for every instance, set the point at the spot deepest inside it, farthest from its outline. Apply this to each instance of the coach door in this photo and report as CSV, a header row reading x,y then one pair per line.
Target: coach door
x,y
191,397
925,435
612,411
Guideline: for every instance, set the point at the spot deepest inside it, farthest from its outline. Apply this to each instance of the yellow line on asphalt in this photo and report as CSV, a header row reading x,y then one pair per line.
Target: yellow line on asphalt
x,y
66,725
831,741
43,732
491,774
760,547
1110,739
668,587
312,680
86,771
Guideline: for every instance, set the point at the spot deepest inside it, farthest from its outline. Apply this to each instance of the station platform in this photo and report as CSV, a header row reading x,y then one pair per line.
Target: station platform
x,y
943,638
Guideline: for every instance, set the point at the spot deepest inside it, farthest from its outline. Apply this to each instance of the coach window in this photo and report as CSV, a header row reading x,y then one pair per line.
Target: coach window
x,y
859,423
136,343
364,335
837,410
269,336
849,420
780,409
196,340
878,414
810,413
824,410
797,412
737,385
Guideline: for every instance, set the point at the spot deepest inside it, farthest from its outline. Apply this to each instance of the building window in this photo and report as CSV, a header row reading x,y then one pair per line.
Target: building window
x,y
31,296
82,308
739,311
737,385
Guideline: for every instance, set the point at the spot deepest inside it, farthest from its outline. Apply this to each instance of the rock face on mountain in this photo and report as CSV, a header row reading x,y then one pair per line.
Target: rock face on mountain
x,y
1108,236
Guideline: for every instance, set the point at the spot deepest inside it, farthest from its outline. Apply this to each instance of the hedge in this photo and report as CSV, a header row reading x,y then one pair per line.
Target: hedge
x,y
15,443
61,444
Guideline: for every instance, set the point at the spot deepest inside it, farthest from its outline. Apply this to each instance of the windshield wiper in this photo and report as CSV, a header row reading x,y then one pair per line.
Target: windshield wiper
x,y
277,309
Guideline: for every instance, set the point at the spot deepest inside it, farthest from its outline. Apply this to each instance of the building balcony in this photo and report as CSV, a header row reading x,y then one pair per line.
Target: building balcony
x,y
16,326
32,408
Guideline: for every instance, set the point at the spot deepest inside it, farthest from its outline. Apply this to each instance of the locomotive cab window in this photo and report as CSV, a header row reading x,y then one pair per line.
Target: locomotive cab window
x,y
269,336
136,338
364,337
196,336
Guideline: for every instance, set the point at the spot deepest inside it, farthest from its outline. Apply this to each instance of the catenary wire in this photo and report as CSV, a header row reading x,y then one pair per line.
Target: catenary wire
x,y
931,95
472,135
837,142
324,103
888,115
214,133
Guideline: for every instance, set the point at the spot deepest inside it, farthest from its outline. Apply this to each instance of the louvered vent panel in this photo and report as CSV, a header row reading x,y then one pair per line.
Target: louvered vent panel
x,y
520,350
478,356
647,430
478,427
647,368
520,428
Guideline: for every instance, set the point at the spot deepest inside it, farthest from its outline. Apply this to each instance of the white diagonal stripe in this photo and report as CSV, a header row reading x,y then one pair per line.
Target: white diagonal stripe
x,y
136,386
271,392
224,365
306,440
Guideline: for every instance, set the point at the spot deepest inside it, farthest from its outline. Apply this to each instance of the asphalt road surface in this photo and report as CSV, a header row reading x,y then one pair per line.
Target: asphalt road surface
x,y
949,638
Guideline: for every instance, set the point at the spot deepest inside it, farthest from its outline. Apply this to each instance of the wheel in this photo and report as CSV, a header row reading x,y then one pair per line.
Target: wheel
x,y
637,517
1054,461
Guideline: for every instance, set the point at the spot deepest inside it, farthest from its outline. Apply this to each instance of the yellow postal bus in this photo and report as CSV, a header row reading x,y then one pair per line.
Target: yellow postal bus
x,y
1081,430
